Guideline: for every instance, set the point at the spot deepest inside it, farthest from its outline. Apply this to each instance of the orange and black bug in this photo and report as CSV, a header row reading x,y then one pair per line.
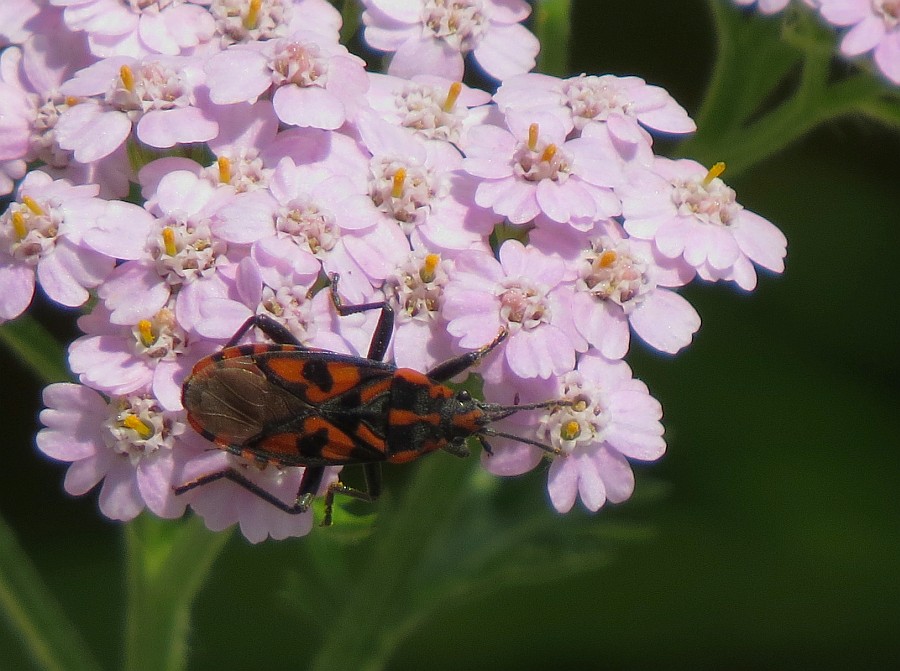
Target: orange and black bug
x,y
284,404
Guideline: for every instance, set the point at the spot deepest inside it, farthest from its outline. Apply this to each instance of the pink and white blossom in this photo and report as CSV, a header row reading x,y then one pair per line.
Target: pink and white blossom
x,y
42,238
158,96
314,81
127,443
434,36
874,26
524,293
136,29
531,169
691,214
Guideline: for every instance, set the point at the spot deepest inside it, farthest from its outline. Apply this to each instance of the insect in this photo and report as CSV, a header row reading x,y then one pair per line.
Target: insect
x,y
284,404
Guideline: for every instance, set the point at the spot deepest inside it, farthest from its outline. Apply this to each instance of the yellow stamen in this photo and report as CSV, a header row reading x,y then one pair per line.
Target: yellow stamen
x,y
168,236
452,96
714,172
607,258
431,264
18,224
532,136
252,18
224,170
145,328
570,430
32,205
142,429
71,101
579,406
549,153
399,180
127,77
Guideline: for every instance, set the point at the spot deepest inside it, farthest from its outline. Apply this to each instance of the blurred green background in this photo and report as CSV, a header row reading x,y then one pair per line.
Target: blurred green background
x,y
772,538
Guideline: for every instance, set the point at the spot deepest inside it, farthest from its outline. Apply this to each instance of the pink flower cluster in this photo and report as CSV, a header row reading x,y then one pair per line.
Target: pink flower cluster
x,y
267,158
873,26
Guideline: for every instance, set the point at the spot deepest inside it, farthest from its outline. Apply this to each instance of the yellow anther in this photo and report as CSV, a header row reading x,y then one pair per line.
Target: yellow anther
x,y
145,328
428,268
139,426
127,77
533,137
224,170
18,224
714,172
252,18
399,180
579,405
607,258
168,236
570,430
452,96
32,205
71,101
549,153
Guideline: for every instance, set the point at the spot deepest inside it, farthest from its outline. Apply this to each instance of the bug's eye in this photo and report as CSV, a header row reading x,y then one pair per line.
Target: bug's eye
x,y
463,396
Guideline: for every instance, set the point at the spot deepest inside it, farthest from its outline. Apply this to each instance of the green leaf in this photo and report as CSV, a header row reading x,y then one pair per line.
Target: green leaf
x,y
552,19
167,563
451,536
772,83
44,630
36,348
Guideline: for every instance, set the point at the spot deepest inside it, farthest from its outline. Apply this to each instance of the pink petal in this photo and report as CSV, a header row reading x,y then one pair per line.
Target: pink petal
x,y
16,290
426,56
309,106
665,320
507,50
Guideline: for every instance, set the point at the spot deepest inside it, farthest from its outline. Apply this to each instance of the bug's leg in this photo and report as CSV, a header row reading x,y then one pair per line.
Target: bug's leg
x,y
277,332
301,505
453,367
383,330
373,490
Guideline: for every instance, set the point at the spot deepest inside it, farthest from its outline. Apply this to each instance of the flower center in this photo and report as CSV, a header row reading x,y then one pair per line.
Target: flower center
x,y
137,427
309,226
889,11
291,307
185,251
402,190
28,229
244,170
581,424
417,286
708,199
460,23
151,6
536,159
523,305
300,64
149,86
43,138
611,271
251,20
592,98
160,337
430,111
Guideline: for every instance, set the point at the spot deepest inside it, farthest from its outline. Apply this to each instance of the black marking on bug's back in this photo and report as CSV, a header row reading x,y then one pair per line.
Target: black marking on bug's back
x,y
312,443
316,371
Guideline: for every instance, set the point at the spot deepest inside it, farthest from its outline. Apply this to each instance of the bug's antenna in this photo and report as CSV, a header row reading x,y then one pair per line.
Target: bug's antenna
x,y
487,431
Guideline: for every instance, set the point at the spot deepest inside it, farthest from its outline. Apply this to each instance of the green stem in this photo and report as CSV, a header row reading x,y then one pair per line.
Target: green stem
x,y
36,348
552,25
166,566
44,630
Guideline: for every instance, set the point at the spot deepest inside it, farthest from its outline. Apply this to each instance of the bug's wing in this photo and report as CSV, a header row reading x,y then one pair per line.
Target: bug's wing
x,y
238,403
